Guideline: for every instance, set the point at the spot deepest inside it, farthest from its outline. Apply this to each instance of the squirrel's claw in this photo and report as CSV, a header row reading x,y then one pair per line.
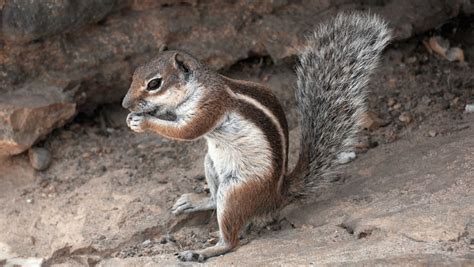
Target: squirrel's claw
x,y
192,202
182,204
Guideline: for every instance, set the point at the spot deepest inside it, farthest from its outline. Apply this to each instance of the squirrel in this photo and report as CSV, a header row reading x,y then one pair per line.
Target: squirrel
x,y
246,166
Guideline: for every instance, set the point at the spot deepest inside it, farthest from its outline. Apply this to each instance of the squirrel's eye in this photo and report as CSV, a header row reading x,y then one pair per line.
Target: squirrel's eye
x,y
153,84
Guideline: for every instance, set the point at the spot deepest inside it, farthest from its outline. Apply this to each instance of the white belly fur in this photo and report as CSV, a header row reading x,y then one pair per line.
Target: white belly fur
x,y
239,149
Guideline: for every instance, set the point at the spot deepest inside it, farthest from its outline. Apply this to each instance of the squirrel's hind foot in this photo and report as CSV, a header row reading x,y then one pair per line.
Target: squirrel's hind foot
x,y
220,248
189,255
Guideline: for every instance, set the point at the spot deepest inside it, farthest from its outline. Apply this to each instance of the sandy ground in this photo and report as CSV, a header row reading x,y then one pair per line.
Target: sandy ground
x,y
407,199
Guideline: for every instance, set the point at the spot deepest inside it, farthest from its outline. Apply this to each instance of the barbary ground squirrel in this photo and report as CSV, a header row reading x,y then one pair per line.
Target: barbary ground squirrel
x,y
245,125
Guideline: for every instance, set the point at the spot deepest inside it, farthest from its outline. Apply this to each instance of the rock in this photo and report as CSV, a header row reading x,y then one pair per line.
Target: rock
x,y
469,108
24,21
167,238
455,54
432,133
205,188
31,112
371,121
397,106
438,45
102,48
105,55
40,158
391,210
131,152
346,157
391,102
364,142
212,241
405,117
441,47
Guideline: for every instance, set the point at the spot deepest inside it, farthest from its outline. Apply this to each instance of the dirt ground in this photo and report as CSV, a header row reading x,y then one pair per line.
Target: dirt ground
x,y
408,198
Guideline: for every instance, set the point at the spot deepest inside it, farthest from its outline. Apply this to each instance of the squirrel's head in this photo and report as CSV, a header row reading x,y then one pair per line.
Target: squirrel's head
x,y
163,84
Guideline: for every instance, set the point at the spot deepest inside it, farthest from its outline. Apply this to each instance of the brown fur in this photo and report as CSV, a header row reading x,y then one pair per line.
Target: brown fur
x,y
207,116
245,201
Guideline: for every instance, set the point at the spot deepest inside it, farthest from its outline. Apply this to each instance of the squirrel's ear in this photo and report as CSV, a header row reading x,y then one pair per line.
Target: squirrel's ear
x,y
185,63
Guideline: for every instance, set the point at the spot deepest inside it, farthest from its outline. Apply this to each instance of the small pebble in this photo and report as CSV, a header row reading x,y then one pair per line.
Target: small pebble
x,y
131,152
469,108
397,106
29,200
206,189
146,242
143,146
167,238
346,157
432,133
364,143
455,54
212,241
405,117
40,158
391,101
371,121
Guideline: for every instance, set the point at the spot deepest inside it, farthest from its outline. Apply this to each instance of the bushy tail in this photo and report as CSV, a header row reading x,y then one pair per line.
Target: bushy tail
x,y
332,74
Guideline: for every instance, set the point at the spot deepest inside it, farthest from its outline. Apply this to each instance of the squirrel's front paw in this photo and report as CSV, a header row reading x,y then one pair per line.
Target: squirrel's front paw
x,y
137,122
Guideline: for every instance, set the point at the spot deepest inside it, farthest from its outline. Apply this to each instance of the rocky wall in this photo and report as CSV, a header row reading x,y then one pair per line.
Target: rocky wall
x,y
61,57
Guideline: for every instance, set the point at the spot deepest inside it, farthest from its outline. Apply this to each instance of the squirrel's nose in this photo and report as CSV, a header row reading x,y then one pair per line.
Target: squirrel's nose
x,y
126,103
